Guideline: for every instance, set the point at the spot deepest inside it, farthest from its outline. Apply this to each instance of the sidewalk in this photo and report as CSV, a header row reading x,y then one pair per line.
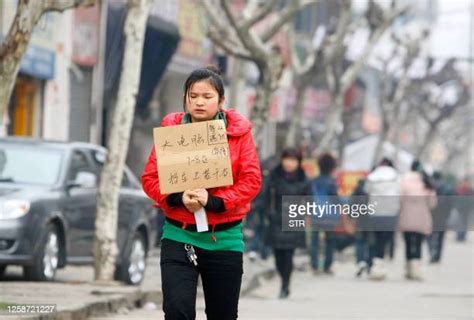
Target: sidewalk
x,y
77,297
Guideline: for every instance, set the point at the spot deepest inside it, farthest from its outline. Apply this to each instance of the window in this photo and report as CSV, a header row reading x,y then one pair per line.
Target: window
x,y
99,158
79,163
29,164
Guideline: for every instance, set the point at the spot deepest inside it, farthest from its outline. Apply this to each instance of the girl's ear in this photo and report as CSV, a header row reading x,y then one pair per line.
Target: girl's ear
x,y
221,102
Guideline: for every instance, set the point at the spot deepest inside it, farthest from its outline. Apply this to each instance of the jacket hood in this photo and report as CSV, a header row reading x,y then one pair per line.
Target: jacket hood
x,y
382,174
237,125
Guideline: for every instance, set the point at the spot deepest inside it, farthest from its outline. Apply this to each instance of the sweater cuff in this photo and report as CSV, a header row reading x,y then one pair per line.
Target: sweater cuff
x,y
215,204
175,199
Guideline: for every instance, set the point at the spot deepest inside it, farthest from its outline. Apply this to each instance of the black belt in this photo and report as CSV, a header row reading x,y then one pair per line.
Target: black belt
x,y
192,227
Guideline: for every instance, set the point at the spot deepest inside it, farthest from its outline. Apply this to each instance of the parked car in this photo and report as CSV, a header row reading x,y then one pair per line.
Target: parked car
x,y
48,197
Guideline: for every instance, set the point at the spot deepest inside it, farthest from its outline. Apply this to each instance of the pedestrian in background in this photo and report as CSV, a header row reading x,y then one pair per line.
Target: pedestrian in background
x,y
464,207
215,255
383,188
258,224
362,237
417,200
441,215
287,179
324,188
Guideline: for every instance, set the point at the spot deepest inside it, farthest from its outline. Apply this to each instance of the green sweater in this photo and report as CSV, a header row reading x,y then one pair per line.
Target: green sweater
x,y
231,239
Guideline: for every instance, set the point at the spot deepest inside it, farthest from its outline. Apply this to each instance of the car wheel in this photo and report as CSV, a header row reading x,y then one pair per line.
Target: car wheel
x,y
45,261
3,267
132,268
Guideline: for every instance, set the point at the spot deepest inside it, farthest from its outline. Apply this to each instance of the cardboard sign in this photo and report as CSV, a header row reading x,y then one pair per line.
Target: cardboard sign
x,y
191,156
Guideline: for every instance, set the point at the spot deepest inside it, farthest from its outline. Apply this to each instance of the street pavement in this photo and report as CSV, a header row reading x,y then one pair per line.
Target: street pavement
x,y
446,293
77,296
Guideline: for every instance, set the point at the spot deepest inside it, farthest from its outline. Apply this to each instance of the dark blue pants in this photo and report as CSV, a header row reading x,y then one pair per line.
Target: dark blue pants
x,y
329,244
435,243
413,241
221,274
257,243
382,238
364,247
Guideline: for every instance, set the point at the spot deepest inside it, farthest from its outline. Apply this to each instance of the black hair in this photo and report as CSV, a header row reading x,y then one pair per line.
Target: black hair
x,y
416,166
209,73
437,175
327,163
292,153
387,162
427,181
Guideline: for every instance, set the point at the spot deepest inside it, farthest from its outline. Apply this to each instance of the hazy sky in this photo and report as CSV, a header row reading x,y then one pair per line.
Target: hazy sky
x,y
451,35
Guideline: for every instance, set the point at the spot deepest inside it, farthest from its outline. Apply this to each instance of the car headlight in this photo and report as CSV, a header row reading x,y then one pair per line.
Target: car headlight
x,y
13,209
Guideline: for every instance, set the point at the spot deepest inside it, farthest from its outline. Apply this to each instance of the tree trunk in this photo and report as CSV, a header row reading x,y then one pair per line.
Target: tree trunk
x,y
344,136
332,121
16,41
14,48
378,153
426,142
237,84
260,109
105,247
297,117
384,107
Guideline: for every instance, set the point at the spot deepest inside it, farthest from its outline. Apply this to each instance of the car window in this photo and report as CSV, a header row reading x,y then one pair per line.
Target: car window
x,y
29,164
79,163
99,158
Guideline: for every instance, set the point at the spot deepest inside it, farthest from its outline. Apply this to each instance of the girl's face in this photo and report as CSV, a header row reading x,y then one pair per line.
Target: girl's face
x,y
290,164
203,101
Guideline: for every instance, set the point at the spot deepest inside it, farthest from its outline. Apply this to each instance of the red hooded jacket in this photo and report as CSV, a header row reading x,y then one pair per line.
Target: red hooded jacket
x,y
245,172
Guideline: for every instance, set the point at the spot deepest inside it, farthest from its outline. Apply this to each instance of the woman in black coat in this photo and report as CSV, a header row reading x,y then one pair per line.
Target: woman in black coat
x,y
287,179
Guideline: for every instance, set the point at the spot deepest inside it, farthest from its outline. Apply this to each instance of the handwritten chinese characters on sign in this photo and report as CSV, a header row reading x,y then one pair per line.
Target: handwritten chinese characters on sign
x,y
191,156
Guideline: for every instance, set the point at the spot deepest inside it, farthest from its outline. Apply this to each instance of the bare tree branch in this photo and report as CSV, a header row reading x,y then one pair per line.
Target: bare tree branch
x,y
248,39
315,59
247,44
230,16
285,16
61,5
350,74
16,41
229,46
332,52
215,20
260,14
223,35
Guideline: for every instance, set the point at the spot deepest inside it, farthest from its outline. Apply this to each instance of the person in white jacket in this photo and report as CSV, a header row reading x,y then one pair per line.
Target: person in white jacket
x,y
383,188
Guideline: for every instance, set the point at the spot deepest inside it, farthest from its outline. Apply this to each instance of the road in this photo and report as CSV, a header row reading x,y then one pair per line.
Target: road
x,y
446,293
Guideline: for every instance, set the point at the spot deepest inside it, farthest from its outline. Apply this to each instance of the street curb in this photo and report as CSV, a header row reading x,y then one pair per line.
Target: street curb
x,y
114,304
132,300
